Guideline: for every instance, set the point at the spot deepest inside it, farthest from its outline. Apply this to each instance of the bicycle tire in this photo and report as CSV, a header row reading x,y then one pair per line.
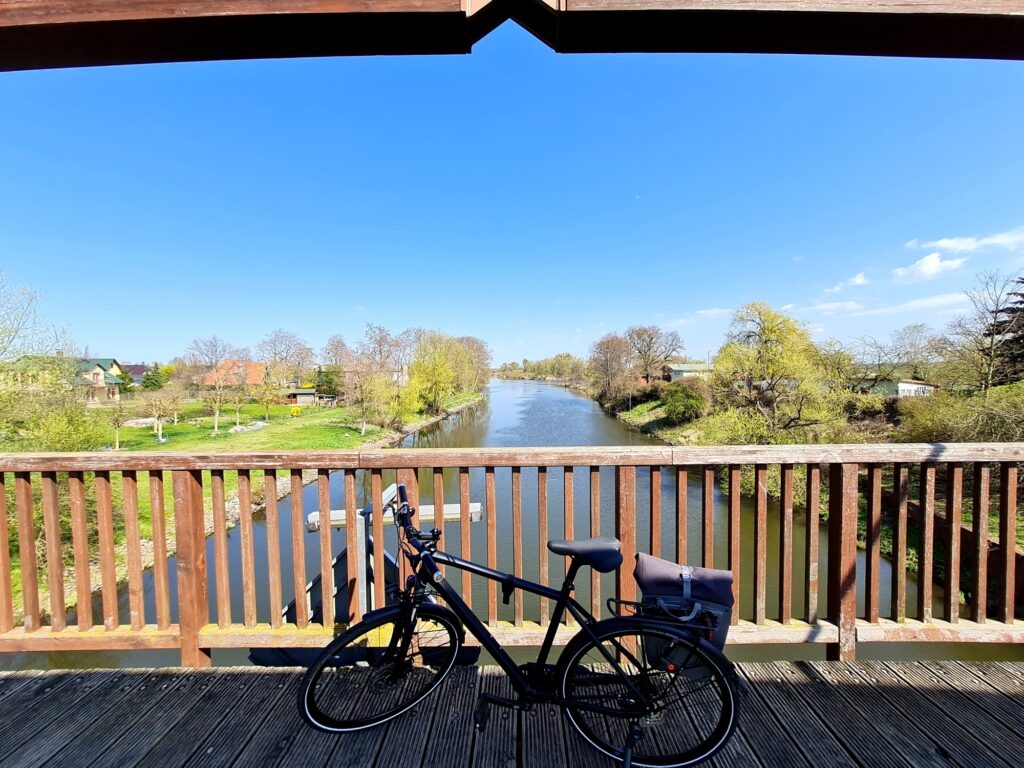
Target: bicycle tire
x,y
354,685
696,700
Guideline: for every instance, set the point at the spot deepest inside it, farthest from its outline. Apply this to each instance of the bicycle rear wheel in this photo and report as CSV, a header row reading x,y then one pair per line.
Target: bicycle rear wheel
x,y
362,679
691,710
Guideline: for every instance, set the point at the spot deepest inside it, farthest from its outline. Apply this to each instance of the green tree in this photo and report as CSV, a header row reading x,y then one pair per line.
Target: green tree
x,y
770,369
435,369
157,376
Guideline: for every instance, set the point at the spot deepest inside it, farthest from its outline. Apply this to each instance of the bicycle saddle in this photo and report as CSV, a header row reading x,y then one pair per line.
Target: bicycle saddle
x,y
602,554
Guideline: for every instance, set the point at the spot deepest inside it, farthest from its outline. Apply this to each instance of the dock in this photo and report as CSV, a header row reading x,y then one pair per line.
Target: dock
x,y
795,714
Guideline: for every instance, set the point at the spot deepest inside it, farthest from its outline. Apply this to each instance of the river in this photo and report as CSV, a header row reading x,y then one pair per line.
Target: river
x,y
524,413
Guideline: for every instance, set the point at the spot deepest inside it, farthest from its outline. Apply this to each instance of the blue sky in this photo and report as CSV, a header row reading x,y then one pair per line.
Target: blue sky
x,y
533,199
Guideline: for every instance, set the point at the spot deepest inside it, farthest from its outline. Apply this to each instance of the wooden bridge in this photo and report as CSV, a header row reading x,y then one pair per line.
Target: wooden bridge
x,y
795,714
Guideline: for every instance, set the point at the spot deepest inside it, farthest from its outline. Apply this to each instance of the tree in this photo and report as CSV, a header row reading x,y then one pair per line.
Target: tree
x,y
287,352
222,363
159,405
1012,326
770,368
22,331
652,347
336,352
120,413
157,376
269,391
975,344
435,369
609,365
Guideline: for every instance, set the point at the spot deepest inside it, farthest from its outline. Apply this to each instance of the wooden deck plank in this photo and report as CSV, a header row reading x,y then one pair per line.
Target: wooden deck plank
x,y
995,735
812,736
244,720
451,739
999,677
30,709
495,747
309,747
924,714
765,733
182,737
409,733
858,733
983,693
123,715
543,737
77,716
43,719
190,701
945,732
901,731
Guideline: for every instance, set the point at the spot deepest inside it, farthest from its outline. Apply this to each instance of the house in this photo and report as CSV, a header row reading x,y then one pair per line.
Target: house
x,y
301,396
677,371
898,388
136,371
101,377
230,373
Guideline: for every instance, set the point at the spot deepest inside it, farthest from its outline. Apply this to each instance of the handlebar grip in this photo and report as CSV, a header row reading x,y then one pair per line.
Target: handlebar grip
x,y
402,495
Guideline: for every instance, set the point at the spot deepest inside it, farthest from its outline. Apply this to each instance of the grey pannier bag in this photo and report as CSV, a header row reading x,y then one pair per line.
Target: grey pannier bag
x,y
699,598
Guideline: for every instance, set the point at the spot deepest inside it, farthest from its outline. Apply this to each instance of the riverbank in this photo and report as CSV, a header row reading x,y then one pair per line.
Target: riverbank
x,y
377,438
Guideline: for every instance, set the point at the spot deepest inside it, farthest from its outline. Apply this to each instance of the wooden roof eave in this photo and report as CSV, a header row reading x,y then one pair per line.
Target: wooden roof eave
x,y
45,33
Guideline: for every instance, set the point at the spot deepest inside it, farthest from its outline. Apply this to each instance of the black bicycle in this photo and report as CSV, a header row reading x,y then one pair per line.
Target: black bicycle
x,y
644,688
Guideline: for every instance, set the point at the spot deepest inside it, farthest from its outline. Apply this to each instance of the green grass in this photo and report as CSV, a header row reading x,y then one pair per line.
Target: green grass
x,y
324,429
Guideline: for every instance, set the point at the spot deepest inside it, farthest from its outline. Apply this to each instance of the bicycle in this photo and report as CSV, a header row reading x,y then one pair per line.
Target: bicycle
x,y
642,688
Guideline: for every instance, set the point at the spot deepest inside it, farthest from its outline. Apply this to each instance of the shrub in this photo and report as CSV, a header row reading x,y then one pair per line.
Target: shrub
x,y
683,404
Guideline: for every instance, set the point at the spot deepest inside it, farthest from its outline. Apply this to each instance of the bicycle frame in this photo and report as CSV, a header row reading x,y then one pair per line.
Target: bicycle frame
x,y
563,601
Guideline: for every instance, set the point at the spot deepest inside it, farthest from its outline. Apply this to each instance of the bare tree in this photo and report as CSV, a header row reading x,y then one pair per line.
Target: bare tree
x,y
285,347
974,342
609,364
22,331
117,415
222,364
336,352
159,405
652,347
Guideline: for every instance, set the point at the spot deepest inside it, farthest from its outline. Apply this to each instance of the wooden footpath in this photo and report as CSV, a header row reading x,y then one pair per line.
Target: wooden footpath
x,y
796,713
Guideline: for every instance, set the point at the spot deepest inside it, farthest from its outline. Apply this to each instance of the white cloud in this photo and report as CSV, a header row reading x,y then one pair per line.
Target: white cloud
x,y
859,279
360,308
926,268
692,318
1010,240
831,307
929,302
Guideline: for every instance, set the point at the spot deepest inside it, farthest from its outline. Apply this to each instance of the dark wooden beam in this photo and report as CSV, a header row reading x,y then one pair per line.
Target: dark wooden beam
x,y
45,33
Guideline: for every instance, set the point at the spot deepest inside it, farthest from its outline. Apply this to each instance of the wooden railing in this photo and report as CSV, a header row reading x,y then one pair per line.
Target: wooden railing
x,y
82,513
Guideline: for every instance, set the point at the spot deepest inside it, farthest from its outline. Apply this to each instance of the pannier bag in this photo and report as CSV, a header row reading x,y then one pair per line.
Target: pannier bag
x,y
699,598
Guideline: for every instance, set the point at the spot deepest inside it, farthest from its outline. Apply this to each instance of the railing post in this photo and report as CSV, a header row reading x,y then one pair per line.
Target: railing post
x,y
842,559
189,530
625,530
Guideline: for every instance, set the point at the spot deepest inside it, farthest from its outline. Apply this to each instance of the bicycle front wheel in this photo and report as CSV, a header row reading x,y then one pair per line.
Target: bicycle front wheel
x,y
653,688
362,679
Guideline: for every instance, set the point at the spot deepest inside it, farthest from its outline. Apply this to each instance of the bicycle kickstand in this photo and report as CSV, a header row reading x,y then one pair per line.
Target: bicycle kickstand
x,y
482,713
635,734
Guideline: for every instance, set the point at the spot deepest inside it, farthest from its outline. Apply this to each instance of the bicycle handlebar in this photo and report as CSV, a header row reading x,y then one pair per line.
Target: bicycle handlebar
x,y
403,517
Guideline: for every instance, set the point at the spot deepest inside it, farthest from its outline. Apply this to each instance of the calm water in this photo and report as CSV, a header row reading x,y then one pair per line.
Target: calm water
x,y
532,414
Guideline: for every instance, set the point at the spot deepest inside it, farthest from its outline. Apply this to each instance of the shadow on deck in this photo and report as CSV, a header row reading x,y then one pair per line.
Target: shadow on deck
x,y
802,713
